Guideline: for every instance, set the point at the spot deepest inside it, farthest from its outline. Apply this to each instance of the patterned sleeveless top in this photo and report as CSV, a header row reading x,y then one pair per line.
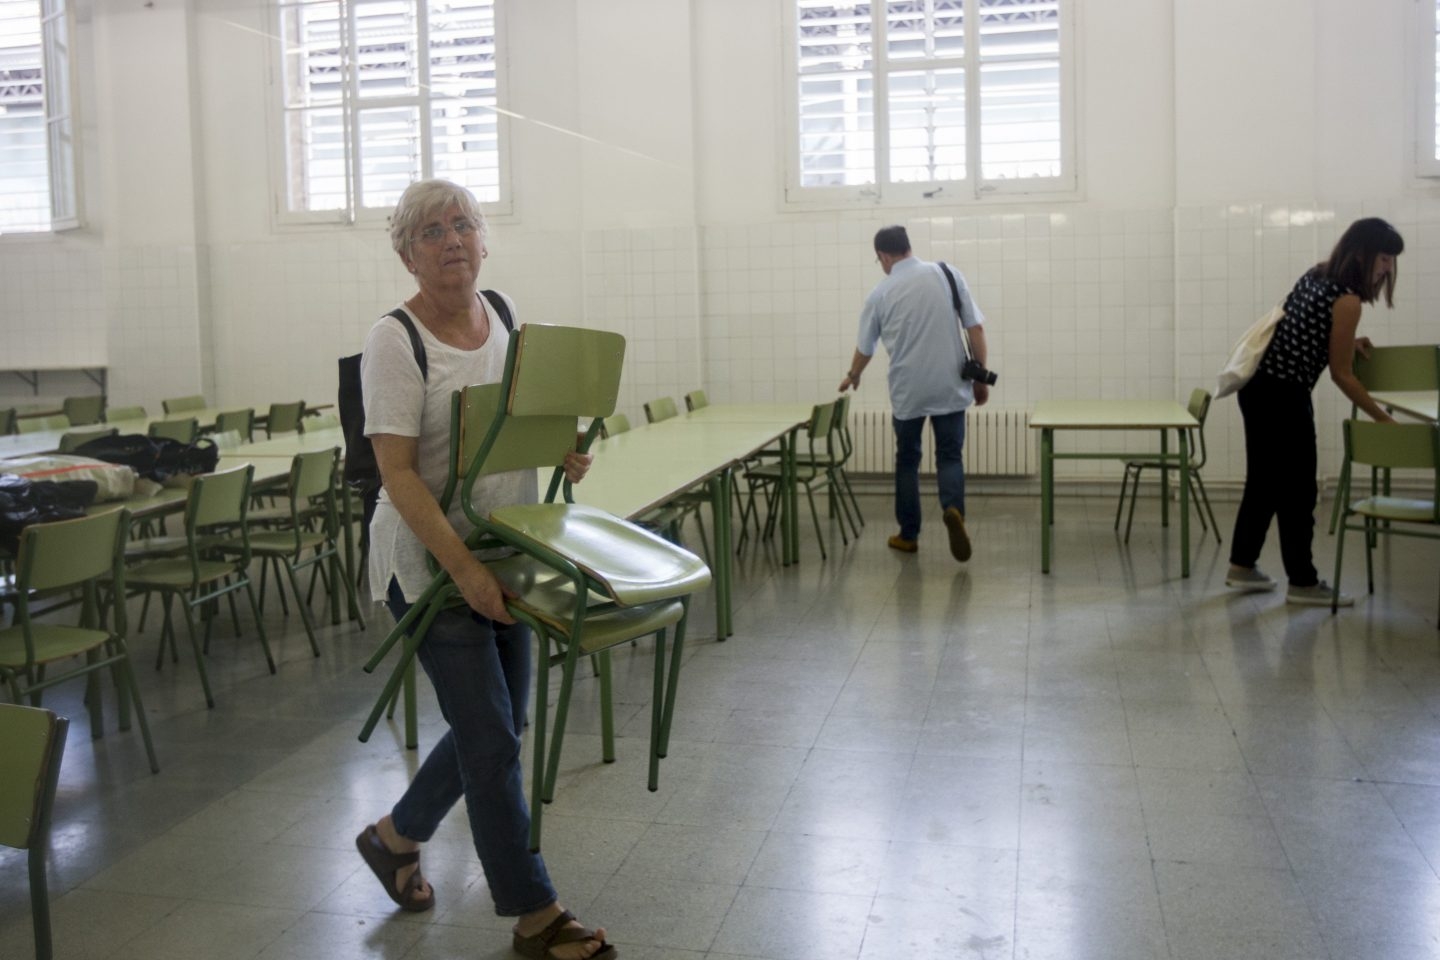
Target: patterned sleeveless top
x,y
1300,350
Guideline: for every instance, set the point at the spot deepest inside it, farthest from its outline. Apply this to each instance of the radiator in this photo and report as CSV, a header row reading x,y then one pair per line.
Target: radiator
x,y
998,443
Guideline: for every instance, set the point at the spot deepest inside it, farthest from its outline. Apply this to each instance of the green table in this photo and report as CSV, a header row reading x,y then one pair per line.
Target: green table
x,y
1158,415
1420,404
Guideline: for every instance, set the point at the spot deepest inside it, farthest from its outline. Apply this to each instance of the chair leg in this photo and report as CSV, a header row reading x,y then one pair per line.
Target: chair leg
x,y
260,626
199,657
305,616
607,710
133,694
1134,495
815,516
1120,504
1199,485
1339,559
541,713
850,492
657,713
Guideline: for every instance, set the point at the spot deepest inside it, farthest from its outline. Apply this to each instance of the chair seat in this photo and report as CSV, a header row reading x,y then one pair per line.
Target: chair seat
x,y
176,573
550,598
805,469
52,642
1396,508
635,566
281,542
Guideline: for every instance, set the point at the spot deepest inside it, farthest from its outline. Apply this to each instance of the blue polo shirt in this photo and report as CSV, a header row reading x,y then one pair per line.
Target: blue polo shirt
x,y
910,311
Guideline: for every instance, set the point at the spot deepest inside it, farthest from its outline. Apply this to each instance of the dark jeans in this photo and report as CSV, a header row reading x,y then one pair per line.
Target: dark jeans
x,y
1280,466
949,430
481,674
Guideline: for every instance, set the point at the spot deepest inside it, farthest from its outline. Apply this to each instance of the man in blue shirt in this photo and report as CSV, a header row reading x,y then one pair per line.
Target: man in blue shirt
x,y
912,312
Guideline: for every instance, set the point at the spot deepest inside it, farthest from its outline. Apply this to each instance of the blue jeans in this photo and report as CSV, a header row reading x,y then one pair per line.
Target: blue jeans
x,y
949,432
481,674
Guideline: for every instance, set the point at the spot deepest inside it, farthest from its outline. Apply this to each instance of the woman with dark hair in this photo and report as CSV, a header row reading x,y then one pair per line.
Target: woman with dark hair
x,y
1317,331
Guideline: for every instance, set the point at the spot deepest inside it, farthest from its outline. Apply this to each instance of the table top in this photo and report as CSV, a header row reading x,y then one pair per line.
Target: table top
x,y
644,468
1111,415
289,444
1417,403
777,413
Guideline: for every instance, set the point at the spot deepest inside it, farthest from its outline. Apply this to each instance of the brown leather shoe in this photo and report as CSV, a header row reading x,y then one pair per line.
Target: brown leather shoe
x,y
898,542
959,539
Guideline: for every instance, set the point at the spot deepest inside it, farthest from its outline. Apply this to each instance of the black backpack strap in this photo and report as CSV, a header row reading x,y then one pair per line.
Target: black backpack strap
x,y
416,344
502,308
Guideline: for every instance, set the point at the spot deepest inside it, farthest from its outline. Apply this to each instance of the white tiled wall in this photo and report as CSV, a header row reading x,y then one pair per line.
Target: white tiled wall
x,y
1080,303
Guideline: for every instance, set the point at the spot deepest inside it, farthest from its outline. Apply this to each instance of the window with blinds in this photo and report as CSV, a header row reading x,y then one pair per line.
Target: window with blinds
x,y
380,93
37,146
1427,139
910,99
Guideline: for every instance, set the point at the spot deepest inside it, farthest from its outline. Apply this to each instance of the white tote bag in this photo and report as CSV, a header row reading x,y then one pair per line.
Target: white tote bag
x,y
1245,358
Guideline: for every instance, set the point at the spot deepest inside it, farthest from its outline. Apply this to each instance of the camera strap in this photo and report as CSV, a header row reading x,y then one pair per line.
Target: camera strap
x,y
959,310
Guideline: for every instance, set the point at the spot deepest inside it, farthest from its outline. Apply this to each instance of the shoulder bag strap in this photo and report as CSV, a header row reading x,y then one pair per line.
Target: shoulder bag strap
x,y
959,310
502,308
416,344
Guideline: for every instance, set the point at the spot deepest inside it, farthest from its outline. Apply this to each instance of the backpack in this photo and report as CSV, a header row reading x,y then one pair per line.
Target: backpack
x,y
23,502
361,470
155,458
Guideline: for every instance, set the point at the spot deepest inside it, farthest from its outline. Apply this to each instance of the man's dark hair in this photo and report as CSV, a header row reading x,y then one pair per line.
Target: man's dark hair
x,y
892,240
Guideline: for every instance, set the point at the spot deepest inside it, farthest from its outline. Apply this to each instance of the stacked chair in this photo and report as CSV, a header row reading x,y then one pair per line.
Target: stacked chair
x,y
586,581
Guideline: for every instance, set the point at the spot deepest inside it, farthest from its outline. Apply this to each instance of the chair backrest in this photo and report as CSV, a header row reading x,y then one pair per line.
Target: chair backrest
x,y
238,421
1199,408
68,552
85,410
41,424
313,474
32,742
182,404
553,376
1400,368
696,399
73,439
218,498
284,417
660,409
614,425
119,414
7,421
1396,446
184,430
328,420
822,424
842,427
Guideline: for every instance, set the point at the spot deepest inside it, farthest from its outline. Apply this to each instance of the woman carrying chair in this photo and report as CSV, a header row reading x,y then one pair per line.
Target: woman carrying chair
x,y
478,664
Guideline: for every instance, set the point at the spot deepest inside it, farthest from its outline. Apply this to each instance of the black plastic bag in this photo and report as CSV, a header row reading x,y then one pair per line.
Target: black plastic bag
x,y
23,502
155,458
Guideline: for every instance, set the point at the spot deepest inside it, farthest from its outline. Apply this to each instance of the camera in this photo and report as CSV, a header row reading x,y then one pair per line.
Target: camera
x,y
973,369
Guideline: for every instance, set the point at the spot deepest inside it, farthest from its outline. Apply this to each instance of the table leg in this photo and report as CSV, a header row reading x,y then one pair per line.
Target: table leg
x,y
1047,494
412,710
1184,502
347,518
1165,479
720,520
789,542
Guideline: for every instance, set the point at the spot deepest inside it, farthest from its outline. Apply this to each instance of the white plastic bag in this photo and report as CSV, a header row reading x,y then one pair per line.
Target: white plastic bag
x,y
1245,358
115,481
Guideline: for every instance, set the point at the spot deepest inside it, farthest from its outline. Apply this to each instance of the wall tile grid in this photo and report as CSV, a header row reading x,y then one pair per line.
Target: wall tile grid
x,y
54,312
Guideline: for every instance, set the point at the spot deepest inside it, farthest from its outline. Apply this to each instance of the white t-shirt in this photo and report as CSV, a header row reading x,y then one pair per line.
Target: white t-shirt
x,y
399,401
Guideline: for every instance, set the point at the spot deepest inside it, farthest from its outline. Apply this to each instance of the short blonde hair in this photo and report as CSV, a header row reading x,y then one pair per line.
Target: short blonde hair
x,y
423,201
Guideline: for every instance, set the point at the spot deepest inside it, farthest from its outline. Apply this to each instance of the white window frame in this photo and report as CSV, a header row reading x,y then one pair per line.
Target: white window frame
x,y
1427,87
972,189
57,41
353,211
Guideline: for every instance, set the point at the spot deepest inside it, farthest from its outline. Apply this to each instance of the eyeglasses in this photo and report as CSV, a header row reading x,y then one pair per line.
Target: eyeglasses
x,y
436,232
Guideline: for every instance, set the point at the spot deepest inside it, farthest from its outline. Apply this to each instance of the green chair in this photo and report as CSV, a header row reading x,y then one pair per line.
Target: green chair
x,y
214,564
125,414
183,404
660,409
1388,446
1391,368
32,742
1199,408
84,411
307,538
55,561
847,450
696,399
241,422
69,441
7,421
284,418
184,430
814,469
41,424
615,425
585,580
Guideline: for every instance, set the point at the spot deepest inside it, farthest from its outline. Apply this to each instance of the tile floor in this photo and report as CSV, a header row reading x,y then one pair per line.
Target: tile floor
x,y
893,757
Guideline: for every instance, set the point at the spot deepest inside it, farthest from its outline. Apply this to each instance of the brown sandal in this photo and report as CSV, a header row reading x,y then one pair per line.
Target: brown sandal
x,y
540,946
386,864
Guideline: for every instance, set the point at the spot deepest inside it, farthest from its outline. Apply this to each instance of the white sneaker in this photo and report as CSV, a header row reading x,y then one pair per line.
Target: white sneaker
x,y
1249,579
1318,595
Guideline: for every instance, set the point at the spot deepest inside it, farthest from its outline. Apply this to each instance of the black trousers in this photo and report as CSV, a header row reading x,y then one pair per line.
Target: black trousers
x,y
1280,467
